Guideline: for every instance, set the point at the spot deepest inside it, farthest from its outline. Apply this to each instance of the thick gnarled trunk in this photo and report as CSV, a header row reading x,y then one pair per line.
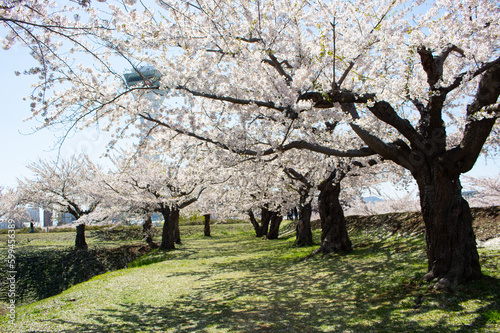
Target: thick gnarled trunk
x,y
147,231
334,236
265,219
274,227
259,232
452,256
168,236
207,225
80,242
174,216
304,233
261,228
269,223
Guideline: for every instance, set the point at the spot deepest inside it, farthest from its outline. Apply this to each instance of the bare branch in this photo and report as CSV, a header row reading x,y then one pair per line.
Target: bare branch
x,y
328,100
478,128
385,112
479,71
273,61
396,151
233,100
361,152
250,40
295,175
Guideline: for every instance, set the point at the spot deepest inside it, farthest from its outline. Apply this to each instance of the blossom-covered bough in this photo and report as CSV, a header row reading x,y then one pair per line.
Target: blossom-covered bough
x,y
65,186
165,182
258,78
12,208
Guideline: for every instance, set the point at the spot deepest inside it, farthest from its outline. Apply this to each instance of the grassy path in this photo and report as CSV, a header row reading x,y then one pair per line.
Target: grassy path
x,y
233,282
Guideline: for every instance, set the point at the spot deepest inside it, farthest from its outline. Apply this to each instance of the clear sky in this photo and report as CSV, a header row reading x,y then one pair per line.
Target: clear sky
x,y
20,146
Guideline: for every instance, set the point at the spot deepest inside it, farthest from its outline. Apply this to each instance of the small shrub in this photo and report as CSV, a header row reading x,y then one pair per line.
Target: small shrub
x,y
492,316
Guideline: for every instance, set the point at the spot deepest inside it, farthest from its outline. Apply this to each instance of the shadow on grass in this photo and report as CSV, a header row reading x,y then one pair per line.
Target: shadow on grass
x,y
376,288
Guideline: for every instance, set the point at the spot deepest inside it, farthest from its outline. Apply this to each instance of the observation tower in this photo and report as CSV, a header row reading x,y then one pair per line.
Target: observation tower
x,y
146,77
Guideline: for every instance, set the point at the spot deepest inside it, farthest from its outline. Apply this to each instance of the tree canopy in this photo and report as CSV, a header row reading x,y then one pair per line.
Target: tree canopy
x,y
398,79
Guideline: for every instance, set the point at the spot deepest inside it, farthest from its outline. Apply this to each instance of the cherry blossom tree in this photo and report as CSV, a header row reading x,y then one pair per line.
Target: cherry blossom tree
x,y
258,78
257,188
64,186
325,177
11,207
428,77
485,190
163,181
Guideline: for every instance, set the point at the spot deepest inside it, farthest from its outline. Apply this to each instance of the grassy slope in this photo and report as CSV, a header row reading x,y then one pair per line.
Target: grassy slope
x,y
234,282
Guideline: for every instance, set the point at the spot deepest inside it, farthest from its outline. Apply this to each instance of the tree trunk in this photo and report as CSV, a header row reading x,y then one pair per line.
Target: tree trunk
x,y
452,256
261,228
256,225
334,237
147,231
304,233
207,225
80,242
174,215
265,218
168,232
274,228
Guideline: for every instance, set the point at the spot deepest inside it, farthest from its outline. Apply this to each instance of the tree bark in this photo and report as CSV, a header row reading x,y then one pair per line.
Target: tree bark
x,y
168,232
334,237
261,229
274,228
174,215
265,218
147,231
80,242
304,233
207,225
452,256
256,225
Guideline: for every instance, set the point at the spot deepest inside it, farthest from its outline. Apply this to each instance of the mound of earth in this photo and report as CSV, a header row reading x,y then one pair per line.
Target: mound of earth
x,y
486,223
44,272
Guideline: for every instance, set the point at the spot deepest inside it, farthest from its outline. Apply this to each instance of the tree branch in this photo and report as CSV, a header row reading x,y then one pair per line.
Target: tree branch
x,y
479,127
458,80
301,144
233,100
385,112
273,61
396,151
191,200
295,175
328,100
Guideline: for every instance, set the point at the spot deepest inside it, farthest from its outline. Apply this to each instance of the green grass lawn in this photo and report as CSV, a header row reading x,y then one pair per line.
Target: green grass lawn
x,y
234,282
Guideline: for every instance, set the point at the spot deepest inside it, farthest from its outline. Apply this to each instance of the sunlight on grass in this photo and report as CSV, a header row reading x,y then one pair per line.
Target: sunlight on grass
x,y
235,282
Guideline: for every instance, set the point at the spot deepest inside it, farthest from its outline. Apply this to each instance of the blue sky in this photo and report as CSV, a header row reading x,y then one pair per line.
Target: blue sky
x,y
20,145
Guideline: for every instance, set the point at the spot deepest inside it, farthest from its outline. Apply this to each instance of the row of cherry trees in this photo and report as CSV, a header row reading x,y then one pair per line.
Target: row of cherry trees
x,y
143,182
399,81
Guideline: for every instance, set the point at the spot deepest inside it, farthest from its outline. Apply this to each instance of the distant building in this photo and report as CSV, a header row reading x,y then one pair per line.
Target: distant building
x,y
64,218
40,217
35,215
469,194
47,219
4,224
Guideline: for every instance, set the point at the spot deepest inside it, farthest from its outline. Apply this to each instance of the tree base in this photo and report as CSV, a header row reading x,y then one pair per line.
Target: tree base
x,y
80,242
